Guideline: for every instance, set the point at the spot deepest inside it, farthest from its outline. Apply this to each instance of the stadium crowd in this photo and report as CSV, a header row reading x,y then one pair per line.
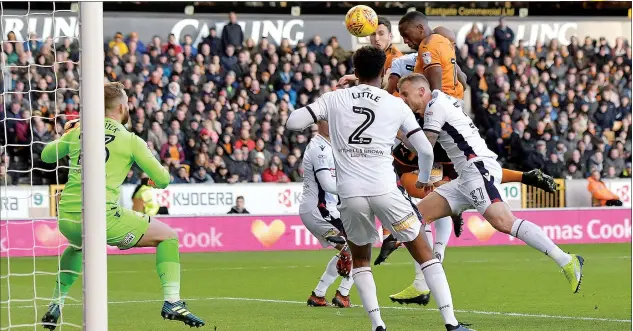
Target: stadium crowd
x,y
215,111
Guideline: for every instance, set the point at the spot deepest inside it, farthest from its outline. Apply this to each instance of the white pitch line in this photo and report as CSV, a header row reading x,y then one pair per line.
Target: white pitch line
x,y
475,312
384,264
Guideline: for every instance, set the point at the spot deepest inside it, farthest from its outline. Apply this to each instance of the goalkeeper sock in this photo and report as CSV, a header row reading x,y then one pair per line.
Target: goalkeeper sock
x,y
511,176
327,278
345,286
69,269
443,229
168,268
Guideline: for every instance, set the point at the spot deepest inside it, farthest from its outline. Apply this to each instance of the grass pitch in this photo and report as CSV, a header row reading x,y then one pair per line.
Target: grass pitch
x,y
494,288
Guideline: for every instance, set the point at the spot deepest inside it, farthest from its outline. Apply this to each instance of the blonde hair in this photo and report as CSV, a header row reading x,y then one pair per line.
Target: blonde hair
x,y
413,78
113,93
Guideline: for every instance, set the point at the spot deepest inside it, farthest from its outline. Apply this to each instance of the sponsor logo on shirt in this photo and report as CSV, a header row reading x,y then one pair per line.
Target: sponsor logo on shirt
x,y
426,57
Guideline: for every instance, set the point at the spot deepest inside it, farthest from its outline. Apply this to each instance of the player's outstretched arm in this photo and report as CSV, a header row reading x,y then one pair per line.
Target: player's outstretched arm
x,y
59,148
148,163
300,118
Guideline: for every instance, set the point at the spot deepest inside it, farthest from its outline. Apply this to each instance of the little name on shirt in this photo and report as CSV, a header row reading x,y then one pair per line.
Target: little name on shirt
x,y
365,95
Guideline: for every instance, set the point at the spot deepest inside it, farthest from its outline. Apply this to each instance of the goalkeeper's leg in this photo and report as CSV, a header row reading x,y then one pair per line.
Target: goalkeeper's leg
x,y
165,239
70,265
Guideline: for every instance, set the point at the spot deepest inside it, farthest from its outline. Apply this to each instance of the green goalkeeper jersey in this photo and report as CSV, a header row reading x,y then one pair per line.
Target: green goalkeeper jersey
x,y
122,149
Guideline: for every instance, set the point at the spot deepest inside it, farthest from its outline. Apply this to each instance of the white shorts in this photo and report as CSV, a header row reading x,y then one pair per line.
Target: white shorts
x,y
395,211
476,187
318,226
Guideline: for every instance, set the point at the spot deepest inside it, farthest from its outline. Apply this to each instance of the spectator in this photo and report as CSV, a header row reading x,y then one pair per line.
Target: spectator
x,y
600,194
118,44
572,172
228,60
474,38
201,176
503,36
222,175
172,151
213,42
274,175
239,167
232,33
615,161
239,206
316,45
554,167
245,140
182,176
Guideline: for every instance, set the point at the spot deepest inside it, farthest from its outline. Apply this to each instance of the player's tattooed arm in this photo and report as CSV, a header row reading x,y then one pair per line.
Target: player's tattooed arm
x,y
431,136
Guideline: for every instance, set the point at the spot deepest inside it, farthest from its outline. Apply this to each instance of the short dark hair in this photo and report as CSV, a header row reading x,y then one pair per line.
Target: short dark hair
x,y
239,197
383,20
368,62
413,17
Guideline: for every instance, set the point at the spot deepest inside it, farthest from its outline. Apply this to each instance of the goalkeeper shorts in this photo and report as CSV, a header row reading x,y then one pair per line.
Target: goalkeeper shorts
x,y
124,227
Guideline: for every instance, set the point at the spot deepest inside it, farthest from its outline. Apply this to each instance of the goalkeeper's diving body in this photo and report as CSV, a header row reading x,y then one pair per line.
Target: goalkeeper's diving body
x,y
125,228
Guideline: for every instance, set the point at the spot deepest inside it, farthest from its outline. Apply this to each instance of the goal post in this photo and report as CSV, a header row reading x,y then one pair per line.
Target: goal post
x,y
95,279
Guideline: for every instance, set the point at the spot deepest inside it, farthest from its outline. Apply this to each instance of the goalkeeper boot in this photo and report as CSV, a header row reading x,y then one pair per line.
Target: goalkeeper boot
x,y
177,311
412,295
458,223
381,328
341,301
49,321
389,245
540,180
573,272
316,301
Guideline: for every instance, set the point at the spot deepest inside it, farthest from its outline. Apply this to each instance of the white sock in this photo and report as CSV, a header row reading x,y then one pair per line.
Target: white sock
x,y
366,287
428,234
419,283
436,278
534,236
345,286
443,229
327,278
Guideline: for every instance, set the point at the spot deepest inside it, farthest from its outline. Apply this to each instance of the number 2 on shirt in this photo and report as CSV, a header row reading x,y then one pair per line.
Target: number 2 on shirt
x,y
355,138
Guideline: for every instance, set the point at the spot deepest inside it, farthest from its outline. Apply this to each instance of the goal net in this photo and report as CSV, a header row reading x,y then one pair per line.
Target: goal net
x,y
40,85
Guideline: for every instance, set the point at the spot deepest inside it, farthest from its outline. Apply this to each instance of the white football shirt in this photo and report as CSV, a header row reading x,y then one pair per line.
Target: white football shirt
x,y
363,123
404,65
458,135
317,157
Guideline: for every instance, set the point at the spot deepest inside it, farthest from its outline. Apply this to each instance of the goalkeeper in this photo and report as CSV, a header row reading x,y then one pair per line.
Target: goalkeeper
x,y
125,228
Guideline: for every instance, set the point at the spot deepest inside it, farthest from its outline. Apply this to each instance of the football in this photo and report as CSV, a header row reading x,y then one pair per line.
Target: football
x,y
361,21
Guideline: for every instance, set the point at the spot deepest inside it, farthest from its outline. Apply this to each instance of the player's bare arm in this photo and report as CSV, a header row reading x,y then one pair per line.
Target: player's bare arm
x,y
392,84
461,76
434,75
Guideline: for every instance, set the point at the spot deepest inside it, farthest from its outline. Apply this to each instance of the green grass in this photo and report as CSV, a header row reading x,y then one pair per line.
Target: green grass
x,y
489,284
